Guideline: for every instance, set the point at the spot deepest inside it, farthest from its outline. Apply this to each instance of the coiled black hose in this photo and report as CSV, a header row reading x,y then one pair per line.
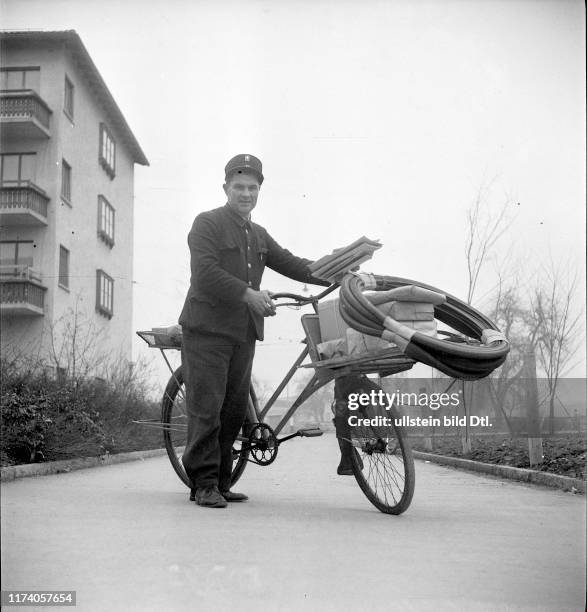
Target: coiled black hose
x,y
481,349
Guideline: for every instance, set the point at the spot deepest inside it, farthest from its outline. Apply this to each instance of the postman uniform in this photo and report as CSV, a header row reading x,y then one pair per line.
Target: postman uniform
x,y
228,255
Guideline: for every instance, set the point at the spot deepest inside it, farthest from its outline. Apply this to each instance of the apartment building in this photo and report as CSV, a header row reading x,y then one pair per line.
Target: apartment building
x,y
66,208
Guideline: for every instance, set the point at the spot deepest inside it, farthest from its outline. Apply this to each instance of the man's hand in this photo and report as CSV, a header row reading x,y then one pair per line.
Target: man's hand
x,y
260,302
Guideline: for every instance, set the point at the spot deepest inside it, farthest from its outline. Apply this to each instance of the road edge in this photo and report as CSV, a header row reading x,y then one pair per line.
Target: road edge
x,y
508,472
565,483
12,472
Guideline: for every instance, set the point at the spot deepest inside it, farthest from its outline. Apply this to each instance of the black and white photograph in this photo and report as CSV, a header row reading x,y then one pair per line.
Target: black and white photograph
x,y
292,305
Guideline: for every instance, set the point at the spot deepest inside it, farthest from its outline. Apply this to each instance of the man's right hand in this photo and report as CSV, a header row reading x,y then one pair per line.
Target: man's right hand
x,y
260,302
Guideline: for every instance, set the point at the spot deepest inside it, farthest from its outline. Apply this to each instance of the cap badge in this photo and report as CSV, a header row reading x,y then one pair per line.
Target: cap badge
x,y
247,158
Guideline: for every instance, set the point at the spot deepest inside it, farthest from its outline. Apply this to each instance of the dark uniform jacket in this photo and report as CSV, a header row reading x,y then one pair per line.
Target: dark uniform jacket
x,y
228,255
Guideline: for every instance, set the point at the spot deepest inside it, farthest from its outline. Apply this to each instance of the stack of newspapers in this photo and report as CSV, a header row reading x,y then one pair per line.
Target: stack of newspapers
x,y
331,267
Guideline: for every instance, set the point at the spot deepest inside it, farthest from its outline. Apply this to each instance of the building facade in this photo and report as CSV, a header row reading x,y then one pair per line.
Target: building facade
x,y
66,207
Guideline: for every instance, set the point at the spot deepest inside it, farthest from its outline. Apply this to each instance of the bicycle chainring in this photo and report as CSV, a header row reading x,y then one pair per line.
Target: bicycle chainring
x,y
263,444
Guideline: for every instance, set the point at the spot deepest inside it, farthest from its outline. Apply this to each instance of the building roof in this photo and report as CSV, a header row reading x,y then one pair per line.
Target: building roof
x,y
73,44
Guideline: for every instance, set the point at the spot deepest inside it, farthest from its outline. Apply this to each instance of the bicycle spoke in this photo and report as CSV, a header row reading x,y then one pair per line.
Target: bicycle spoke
x,y
382,472
384,481
389,476
393,483
386,485
393,473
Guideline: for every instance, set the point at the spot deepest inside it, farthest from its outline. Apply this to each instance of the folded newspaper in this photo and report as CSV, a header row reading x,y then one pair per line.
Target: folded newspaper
x,y
331,267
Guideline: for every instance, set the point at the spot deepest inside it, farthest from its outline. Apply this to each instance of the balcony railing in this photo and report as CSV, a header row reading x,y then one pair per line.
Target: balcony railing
x,y
25,196
21,291
27,297
24,104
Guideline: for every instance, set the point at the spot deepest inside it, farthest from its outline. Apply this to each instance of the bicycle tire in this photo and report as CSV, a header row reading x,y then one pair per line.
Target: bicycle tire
x,y
174,419
383,464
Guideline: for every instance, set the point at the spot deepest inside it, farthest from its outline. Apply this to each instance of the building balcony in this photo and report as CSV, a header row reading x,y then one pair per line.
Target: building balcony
x,y
24,114
21,291
25,204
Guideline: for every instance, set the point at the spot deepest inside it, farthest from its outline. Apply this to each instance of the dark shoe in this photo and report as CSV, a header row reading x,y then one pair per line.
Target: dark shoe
x,y
229,496
342,432
345,467
209,497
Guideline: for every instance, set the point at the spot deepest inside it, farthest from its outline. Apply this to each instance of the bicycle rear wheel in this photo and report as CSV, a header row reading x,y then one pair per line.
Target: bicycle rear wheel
x,y
382,460
175,428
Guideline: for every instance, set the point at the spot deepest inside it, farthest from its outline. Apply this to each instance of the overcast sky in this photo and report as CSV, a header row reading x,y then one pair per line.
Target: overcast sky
x,y
374,118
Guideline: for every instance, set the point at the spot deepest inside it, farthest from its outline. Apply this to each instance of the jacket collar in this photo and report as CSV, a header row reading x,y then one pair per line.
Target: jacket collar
x,y
236,217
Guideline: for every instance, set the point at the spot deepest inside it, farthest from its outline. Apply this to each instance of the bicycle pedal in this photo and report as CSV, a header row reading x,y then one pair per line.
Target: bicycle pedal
x,y
310,432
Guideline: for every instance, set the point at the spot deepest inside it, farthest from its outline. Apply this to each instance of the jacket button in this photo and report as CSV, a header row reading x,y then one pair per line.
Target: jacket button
x,y
249,265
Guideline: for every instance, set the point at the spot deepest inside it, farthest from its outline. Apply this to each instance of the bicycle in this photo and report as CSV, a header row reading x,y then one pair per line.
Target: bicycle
x,y
381,458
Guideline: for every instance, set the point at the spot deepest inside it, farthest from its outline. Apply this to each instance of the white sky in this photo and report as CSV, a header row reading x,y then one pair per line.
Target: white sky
x,y
374,118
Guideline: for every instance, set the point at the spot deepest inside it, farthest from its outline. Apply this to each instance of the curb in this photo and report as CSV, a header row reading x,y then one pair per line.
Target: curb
x,y
12,472
576,485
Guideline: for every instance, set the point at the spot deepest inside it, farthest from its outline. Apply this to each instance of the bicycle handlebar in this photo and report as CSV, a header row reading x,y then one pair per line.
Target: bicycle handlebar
x,y
303,300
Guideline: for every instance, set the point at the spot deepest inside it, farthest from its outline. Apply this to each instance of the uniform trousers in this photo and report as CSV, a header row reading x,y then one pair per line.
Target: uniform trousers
x,y
217,375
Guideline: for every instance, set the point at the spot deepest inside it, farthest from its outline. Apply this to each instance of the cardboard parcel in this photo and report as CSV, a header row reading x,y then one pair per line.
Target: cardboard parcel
x,y
410,305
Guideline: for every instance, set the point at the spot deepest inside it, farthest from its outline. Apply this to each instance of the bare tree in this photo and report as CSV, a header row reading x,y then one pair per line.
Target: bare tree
x,y
510,311
484,228
74,343
560,335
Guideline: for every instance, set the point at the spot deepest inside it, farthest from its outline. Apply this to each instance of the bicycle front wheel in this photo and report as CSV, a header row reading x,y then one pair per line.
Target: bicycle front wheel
x,y
382,463
175,428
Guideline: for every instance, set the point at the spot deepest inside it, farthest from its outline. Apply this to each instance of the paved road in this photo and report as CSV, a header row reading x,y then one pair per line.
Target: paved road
x,y
126,538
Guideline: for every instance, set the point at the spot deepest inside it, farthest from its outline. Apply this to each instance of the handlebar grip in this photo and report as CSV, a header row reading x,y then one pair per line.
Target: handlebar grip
x,y
291,296
303,299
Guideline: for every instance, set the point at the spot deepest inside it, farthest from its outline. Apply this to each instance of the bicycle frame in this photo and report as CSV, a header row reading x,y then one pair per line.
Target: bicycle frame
x,y
320,377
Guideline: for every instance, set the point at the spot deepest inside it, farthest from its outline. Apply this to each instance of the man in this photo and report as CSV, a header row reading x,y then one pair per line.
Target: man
x,y
222,318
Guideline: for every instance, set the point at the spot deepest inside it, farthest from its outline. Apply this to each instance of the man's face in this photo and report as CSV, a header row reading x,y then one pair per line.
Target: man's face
x,y
242,191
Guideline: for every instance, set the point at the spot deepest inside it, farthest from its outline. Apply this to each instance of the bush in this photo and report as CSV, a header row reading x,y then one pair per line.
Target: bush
x,y
45,419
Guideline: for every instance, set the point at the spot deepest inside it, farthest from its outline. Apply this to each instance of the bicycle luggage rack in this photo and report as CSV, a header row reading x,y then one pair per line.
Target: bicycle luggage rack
x,y
163,342
384,362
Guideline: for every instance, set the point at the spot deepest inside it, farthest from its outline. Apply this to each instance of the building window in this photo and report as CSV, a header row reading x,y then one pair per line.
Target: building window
x,y
63,267
20,78
16,259
105,221
65,181
68,98
107,151
17,169
104,294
